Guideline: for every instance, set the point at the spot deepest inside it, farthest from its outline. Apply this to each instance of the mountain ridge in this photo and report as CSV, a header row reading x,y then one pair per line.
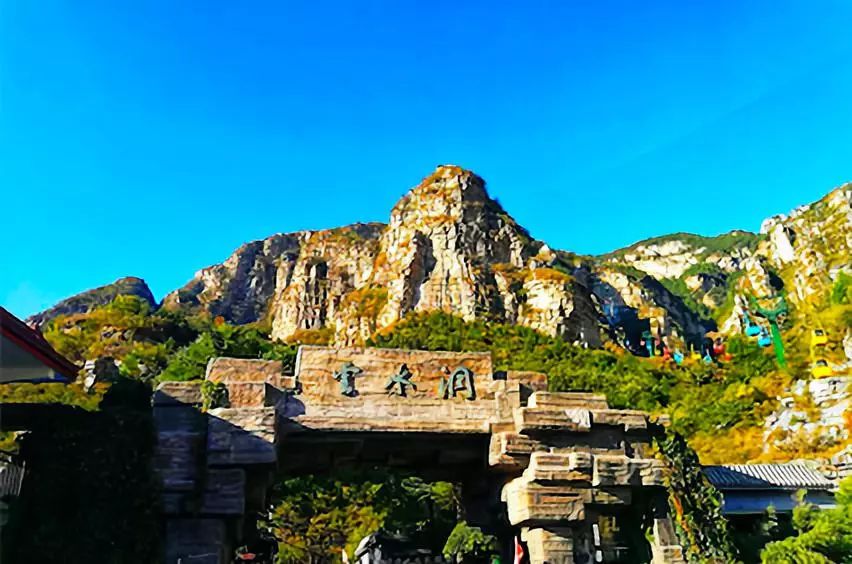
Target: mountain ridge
x,y
449,246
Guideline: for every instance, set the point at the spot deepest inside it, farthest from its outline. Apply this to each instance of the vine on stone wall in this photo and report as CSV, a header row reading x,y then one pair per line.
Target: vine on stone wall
x,y
213,395
695,504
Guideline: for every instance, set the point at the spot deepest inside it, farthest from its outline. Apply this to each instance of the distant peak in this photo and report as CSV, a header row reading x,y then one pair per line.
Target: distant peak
x,y
96,297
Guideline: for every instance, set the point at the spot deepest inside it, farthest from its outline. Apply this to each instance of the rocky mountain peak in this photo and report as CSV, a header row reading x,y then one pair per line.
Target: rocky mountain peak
x,y
447,189
440,243
449,246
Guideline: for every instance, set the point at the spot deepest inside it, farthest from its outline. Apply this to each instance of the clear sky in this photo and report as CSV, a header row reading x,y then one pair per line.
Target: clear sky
x,y
153,138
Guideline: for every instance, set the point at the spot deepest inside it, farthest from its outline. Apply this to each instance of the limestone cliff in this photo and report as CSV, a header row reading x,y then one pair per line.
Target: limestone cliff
x,y
672,256
799,255
295,276
448,246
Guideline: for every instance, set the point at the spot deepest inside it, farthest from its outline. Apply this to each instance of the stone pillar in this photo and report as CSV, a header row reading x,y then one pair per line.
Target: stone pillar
x,y
214,470
664,546
551,545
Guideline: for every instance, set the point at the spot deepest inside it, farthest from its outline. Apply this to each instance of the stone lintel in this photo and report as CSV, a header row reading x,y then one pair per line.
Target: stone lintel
x,y
572,419
177,393
306,423
509,450
241,436
227,370
617,470
532,381
628,419
529,502
563,400
549,467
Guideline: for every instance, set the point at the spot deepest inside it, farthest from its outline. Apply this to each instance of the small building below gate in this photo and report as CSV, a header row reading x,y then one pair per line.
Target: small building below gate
x,y
750,489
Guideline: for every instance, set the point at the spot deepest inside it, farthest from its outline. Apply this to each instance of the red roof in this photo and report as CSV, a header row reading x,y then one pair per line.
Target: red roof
x,y
33,342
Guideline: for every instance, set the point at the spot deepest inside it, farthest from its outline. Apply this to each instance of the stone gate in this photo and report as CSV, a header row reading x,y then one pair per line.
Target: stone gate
x,y
572,477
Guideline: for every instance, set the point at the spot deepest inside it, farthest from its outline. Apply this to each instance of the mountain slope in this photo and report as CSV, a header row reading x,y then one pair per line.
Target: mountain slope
x,y
90,299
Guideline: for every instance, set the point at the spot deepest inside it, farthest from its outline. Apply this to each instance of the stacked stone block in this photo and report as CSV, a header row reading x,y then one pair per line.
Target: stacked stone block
x,y
562,463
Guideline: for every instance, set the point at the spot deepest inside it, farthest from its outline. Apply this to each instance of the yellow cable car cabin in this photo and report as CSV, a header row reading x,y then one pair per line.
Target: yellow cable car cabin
x,y
821,369
819,338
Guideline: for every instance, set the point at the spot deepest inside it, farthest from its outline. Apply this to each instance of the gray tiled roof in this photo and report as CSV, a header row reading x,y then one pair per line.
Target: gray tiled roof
x,y
766,476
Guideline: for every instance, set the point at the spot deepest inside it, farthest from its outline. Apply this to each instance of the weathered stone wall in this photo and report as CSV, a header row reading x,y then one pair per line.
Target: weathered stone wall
x,y
211,465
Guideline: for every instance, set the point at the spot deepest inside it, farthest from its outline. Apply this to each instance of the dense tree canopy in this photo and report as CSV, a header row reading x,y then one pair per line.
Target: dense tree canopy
x,y
312,518
824,536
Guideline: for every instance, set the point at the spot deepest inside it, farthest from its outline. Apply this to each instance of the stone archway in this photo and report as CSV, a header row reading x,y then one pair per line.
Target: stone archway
x,y
567,469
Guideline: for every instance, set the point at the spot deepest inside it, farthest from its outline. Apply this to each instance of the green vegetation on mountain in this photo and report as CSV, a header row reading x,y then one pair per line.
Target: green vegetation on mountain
x,y
725,242
706,403
125,328
719,408
841,291
96,297
55,393
166,345
222,339
678,287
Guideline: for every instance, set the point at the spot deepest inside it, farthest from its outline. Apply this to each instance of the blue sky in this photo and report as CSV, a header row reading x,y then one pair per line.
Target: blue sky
x,y
152,140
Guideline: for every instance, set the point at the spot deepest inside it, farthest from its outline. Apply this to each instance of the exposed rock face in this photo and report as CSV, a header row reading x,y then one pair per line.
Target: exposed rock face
x,y
648,299
442,239
85,302
252,285
449,247
671,256
240,288
816,410
800,255
813,243
310,288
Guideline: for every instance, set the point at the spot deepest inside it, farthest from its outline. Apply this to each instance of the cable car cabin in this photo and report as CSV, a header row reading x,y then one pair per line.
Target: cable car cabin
x,y
678,357
821,369
718,348
764,340
751,329
818,338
